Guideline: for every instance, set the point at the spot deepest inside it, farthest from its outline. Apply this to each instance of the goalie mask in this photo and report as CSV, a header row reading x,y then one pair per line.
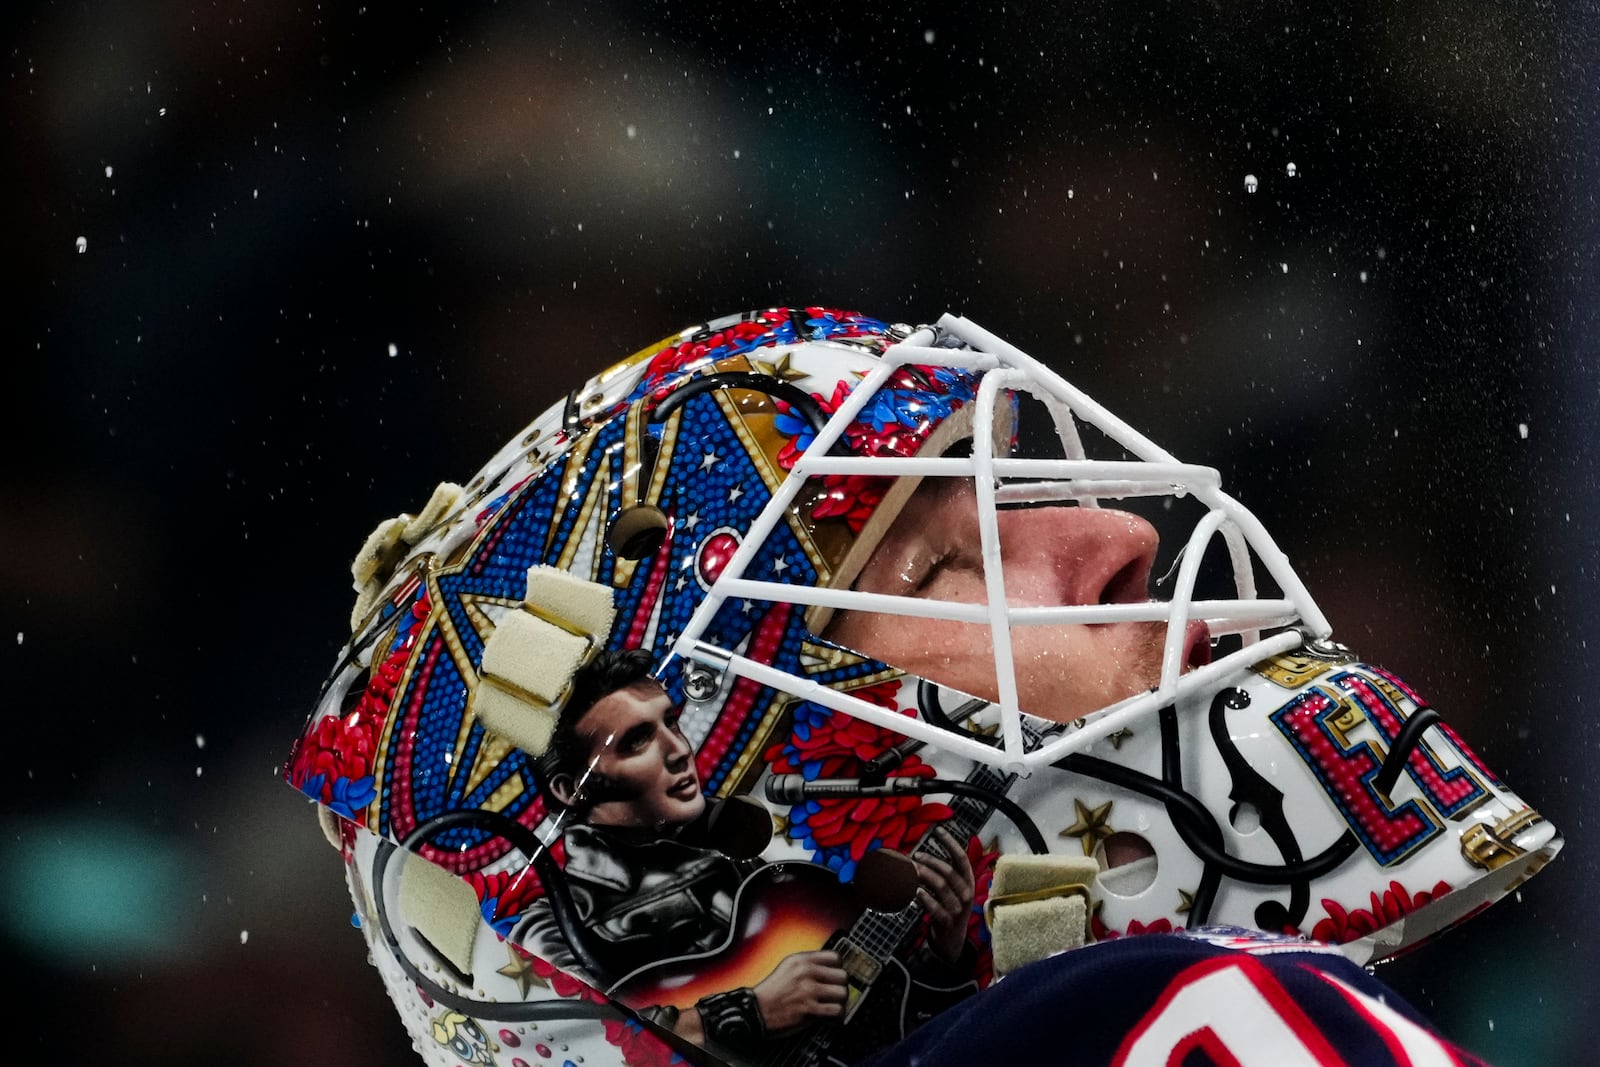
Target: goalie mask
x,y
719,657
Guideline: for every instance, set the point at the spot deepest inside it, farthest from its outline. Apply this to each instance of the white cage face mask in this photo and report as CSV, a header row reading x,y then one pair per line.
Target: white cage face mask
x,y
1272,781
1037,586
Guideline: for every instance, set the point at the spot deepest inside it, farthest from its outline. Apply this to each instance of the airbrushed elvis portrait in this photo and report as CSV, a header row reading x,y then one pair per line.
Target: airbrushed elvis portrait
x,y
811,688
658,877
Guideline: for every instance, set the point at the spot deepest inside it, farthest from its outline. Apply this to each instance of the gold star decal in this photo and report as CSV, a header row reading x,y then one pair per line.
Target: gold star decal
x,y
779,369
1091,827
1185,901
1120,736
520,970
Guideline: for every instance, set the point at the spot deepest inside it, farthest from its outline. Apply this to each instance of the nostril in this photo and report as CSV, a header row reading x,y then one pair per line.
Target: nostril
x,y
1127,585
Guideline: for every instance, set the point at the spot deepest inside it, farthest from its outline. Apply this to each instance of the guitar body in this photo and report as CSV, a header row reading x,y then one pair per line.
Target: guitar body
x,y
785,908
790,907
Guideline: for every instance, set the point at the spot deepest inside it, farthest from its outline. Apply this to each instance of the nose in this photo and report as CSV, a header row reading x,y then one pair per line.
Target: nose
x,y
678,749
1076,555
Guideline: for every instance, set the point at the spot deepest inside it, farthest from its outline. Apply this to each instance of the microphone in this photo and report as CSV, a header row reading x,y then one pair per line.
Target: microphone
x,y
793,788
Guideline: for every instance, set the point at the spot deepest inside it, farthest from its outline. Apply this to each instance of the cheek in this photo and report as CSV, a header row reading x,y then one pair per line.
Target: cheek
x,y
956,654
628,769
1062,672
1066,673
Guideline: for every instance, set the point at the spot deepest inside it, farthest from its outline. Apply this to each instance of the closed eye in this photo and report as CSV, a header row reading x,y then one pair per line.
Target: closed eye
x,y
936,567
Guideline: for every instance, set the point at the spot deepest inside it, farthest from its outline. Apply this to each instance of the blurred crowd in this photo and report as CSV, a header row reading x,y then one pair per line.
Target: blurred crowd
x,y
282,267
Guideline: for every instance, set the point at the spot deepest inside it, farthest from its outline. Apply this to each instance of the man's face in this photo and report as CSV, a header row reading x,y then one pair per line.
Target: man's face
x,y
1051,556
643,772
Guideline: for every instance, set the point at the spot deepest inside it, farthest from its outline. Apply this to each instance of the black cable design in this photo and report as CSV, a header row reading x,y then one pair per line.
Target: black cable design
x,y
797,398
928,704
1199,830
524,840
1405,741
1205,893
508,1011
1249,787
1019,818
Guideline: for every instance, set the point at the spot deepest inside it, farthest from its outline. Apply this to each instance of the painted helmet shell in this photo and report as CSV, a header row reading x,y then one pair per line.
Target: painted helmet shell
x,y
725,489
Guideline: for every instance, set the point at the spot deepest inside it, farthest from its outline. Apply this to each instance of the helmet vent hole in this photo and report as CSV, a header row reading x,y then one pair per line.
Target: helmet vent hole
x,y
1128,864
1273,916
1246,818
637,531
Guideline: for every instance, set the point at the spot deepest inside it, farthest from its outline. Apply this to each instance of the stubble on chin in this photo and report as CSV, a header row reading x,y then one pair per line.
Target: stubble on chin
x,y
1129,666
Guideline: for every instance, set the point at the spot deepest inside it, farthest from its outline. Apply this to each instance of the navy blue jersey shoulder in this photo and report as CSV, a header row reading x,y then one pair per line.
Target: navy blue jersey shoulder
x,y
1213,996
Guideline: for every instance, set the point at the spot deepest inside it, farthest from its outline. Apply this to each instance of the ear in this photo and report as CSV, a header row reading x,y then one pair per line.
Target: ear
x,y
564,789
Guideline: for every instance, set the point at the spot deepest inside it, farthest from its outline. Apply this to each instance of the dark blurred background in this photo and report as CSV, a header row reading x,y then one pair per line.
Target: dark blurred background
x,y
279,267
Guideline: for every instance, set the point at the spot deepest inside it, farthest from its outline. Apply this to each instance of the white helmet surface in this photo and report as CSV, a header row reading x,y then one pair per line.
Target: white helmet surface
x,y
802,653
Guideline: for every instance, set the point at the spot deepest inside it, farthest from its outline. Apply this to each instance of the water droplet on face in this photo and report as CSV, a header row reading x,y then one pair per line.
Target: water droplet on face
x,y
83,245
1250,183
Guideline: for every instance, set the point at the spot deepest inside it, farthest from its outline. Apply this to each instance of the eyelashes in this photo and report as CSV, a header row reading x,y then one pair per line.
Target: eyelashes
x,y
929,567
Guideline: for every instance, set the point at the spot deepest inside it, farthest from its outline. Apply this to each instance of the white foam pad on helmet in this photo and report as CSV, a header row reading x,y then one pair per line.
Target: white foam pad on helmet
x,y
583,605
442,908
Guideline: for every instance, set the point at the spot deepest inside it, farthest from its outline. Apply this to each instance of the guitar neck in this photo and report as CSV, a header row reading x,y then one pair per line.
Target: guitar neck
x,y
883,933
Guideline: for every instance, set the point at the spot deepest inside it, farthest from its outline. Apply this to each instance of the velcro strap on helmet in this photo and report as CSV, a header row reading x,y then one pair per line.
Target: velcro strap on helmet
x,y
528,662
1038,906
442,908
390,543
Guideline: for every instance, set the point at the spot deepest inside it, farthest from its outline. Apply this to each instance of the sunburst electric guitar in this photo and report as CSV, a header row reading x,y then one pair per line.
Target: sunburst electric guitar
x,y
790,907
